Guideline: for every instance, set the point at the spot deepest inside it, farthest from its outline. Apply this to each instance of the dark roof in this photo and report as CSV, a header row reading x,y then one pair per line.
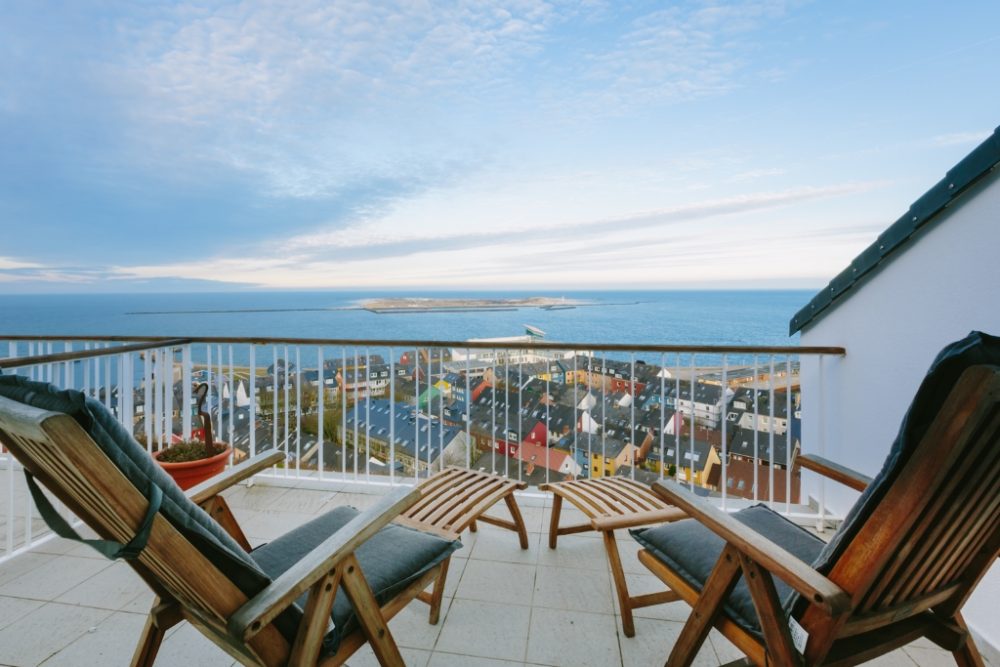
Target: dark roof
x,y
959,179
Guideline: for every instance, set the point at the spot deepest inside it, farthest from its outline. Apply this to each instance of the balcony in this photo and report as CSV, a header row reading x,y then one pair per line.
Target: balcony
x,y
61,603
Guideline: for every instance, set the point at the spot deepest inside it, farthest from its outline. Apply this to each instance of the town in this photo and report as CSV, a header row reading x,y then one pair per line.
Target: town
x,y
534,415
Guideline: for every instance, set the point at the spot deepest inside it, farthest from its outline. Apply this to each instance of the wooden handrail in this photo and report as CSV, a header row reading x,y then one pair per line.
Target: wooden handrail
x,y
16,362
480,345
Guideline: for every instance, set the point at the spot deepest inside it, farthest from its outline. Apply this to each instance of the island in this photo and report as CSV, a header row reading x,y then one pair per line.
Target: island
x,y
438,305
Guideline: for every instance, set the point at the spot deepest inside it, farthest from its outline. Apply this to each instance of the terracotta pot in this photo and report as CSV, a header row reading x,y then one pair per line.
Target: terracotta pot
x,y
190,473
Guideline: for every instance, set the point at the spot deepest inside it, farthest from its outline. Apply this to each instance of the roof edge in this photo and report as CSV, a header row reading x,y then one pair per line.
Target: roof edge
x,y
972,168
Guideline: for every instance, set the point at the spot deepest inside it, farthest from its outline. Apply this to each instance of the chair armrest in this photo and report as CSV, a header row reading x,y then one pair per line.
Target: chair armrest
x,y
789,568
834,471
211,487
264,607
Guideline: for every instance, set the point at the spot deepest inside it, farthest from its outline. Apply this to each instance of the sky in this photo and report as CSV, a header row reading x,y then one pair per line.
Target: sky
x,y
474,144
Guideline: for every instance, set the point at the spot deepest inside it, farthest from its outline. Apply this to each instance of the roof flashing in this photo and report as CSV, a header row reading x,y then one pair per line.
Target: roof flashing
x,y
970,170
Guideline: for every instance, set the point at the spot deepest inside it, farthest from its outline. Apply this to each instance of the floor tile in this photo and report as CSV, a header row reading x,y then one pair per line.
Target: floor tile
x,y
506,583
641,584
574,551
112,642
53,578
187,646
501,545
485,629
439,659
45,631
574,590
412,657
653,641
12,609
572,638
111,588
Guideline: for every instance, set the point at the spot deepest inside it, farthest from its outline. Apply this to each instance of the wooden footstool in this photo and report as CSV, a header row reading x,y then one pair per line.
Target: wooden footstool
x,y
610,503
455,499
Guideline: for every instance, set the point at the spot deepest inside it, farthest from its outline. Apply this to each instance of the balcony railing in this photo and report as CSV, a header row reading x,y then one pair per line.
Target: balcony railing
x,y
722,419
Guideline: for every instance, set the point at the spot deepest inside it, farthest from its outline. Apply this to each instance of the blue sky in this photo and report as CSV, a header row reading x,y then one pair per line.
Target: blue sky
x,y
188,146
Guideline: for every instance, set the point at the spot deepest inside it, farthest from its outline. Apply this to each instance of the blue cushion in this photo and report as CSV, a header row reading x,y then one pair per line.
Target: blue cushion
x,y
692,550
392,559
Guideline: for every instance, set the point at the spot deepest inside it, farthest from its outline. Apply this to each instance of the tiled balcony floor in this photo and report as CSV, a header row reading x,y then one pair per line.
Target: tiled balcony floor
x,y
63,604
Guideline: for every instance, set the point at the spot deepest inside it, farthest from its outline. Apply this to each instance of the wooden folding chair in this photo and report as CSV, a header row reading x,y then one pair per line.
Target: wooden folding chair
x,y
258,615
900,567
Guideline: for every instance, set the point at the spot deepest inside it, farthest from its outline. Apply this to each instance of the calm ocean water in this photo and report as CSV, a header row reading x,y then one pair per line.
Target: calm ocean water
x,y
663,317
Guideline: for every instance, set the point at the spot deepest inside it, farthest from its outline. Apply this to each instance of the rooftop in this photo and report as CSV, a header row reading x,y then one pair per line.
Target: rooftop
x,y
63,604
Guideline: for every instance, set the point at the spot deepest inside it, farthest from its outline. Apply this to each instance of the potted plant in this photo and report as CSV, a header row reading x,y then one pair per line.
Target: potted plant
x,y
191,462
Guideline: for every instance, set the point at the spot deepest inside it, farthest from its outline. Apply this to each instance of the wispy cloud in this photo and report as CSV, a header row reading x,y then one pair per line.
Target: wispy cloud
x,y
358,256
959,138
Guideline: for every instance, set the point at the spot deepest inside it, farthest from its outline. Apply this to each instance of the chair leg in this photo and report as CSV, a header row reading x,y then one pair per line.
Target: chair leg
x,y
515,513
149,644
966,655
437,594
369,615
720,582
621,588
554,524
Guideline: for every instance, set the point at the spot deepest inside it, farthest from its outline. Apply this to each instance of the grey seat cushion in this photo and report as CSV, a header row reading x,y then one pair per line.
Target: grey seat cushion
x,y
392,559
691,550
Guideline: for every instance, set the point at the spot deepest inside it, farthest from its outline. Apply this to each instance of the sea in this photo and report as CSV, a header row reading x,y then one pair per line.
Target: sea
x,y
680,317
734,317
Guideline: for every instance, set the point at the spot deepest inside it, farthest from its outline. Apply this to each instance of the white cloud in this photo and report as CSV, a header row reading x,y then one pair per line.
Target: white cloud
x,y
959,138
10,263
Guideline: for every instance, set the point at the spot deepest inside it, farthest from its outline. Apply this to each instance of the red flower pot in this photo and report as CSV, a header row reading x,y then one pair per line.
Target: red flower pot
x,y
190,473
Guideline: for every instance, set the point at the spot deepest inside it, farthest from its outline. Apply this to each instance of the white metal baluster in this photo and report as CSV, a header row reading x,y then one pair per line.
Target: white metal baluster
x,y
416,414
120,367
756,428
147,397
392,416
694,384
441,409
493,414
430,413
723,413
107,379
252,381
663,392
298,412
604,413
221,382
368,415
770,432
284,411
468,412
633,392
232,405
520,417
274,399
506,413
357,439
321,401
678,415
85,368
186,391
821,423
788,434
548,424
343,413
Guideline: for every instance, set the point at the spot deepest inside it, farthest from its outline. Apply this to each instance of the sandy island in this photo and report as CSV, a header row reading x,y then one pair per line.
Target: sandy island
x,y
416,304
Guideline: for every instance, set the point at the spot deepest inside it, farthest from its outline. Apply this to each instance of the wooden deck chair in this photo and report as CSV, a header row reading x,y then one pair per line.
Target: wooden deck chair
x,y
278,605
900,567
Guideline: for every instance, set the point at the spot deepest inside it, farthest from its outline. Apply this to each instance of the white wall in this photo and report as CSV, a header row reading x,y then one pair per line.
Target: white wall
x,y
929,294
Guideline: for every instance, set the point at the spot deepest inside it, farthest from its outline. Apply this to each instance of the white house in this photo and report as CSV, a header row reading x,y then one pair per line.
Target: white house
x,y
928,280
